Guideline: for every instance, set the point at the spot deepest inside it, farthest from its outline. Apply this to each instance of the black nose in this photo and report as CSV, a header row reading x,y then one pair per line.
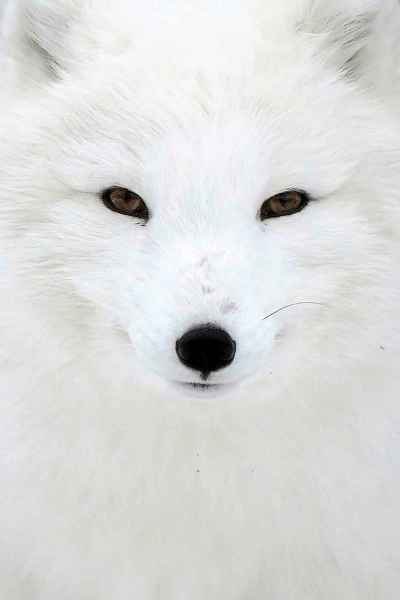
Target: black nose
x,y
206,349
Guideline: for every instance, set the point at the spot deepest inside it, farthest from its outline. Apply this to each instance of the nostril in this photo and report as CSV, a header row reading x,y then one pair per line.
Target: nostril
x,y
206,349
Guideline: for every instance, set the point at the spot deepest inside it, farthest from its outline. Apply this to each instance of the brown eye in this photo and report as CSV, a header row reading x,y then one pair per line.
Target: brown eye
x,y
125,202
283,205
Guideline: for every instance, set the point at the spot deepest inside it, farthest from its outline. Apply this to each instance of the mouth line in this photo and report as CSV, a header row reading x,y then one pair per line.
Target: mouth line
x,y
202,388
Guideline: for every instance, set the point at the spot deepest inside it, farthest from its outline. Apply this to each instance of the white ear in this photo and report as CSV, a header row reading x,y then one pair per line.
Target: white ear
x,y
34,36
345,28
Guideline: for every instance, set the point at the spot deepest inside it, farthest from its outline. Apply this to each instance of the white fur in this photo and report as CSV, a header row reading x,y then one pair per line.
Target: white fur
x,y
113,483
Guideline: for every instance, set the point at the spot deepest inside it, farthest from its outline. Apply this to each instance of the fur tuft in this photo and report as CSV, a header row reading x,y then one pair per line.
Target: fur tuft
x,y
344,33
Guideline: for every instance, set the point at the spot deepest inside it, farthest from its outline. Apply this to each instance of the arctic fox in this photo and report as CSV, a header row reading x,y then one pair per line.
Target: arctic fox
x,y
200,300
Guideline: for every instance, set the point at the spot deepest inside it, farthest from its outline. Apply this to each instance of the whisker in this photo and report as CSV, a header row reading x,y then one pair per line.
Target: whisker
x,y
290,306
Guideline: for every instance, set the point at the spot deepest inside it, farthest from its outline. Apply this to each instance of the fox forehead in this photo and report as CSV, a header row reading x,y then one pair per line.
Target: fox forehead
x,y
126,135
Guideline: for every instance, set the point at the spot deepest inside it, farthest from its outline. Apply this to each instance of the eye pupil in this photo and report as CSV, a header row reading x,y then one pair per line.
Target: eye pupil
x,y
125,202
284,204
